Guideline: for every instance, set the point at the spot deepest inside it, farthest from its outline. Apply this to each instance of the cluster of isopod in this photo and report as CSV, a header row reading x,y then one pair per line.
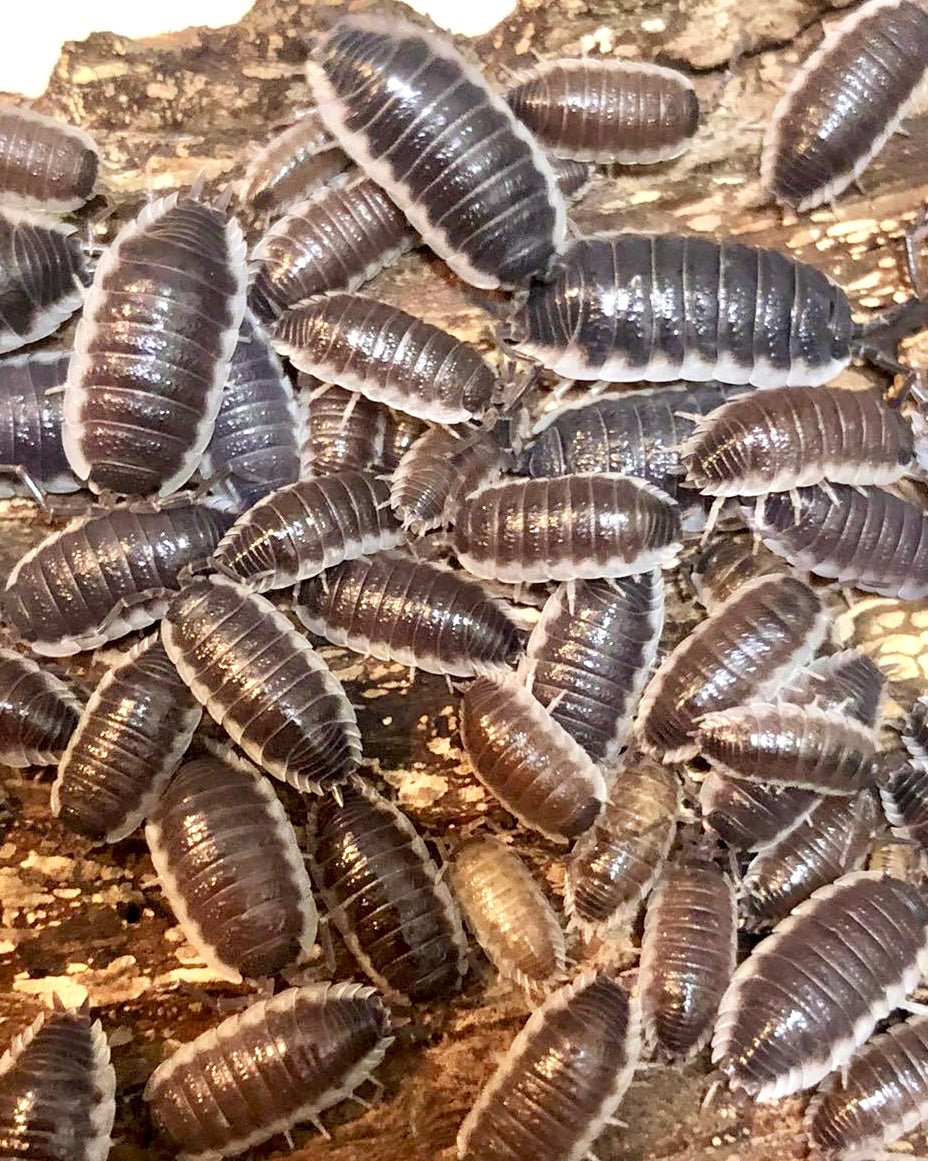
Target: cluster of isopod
x,y
398,504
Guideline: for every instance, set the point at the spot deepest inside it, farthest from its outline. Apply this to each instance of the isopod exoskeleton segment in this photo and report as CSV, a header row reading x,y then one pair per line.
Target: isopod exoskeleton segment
x,y
44,163
904,794
726,563
31,412
292,165
38,713
339,431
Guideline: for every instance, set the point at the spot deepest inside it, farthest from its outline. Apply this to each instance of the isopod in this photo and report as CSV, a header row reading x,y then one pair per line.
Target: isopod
x,y
749,816
528,761
338,431
915,733
303,528
562,1079
385,894
38,713
591,109
425,125
402,431
263,682
847,681
261,1071
813,990
31,409
130,739
152,350
417,613
292,165
897,857
904,794
228,861
44,163
573,177
728,562
570,528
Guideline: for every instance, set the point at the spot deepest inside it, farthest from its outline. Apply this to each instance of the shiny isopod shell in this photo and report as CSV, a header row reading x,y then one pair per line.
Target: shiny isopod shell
x,y
898,857
562,1079
813,991
904,794
402,431
58,1090
847,681
263,682
44,163
38,713
228,862
292,165
261,1071
915,732
424,124
726,563
131,737
31,412
385,894
339,431
749,816
528,761
603,110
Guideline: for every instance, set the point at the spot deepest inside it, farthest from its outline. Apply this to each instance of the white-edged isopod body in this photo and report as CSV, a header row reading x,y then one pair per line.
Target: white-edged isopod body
x,y
424,124
263,682
726,563
31,414
812,992
131,737
846,101
773,441
38,713
402,431
747,648
749,816
528,761
303,528
604,110
58,1090
228,862
615,864
509,913
625,307
339,431
578,527
44,276
106,575
45,164
292,165
847,681
590,654
687,956
385,894
915,731
388,356
152,349
263,1070
904,794
562,1079
419,613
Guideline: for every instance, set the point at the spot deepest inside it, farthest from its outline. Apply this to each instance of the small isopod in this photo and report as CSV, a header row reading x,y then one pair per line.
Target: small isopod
x,y
904,794
261,1071
603,110
726,563
573,177
846,681
339,431
292,165
897,857
749,816
915,733
401,433
44,163
31,407
38,713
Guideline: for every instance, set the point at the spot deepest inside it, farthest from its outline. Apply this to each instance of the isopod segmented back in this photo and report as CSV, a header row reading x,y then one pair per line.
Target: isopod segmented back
x,y
38,713
31,415
44,163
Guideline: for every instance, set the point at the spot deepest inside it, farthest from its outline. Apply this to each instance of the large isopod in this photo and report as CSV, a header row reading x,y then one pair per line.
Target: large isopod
x,y
292,165
812,992
31,412
425,125
44,163
38,713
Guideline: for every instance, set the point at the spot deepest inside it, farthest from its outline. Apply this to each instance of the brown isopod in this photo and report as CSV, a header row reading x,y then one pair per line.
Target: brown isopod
x,y
898,857
228,861
528,761
751,815
813,990
846,681
263,682
401,433
385,894
130,739
32,460
291,165
904,794
38,713
262,1071
339,431
509,913
44,163
915,732
727,563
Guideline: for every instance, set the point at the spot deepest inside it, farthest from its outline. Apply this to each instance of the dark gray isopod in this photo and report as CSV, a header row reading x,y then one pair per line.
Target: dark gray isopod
x,y
291,165
915,732
402,432
692,309
425,125
339,431
562,1079
228,861
904,794
607,111
726,563
590,654
31,411
38,713
687,956
263,1070
58,1090
44,274
388,356
130,739
385,894
106,575
897,857
152,350
44,164
303,528
846,681
263,682
813,990
420,614
845,102
749,816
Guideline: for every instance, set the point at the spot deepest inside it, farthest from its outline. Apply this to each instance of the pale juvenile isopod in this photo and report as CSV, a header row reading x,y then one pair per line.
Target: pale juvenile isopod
x,y
291,165
528,761
385,894
262,1071
425,125
227,859
904,794
339,431
847,681
303,528
603,110
38,713
31,405
817,986
562,1079
263,682
130,739
897,857
152,350
44,163
726,563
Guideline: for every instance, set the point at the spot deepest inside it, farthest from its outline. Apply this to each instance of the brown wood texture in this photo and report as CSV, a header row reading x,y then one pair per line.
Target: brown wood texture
x,y
81,920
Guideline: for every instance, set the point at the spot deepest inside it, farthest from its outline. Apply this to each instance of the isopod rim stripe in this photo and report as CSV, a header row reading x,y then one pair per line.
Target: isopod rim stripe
x,y
615,568
66,129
